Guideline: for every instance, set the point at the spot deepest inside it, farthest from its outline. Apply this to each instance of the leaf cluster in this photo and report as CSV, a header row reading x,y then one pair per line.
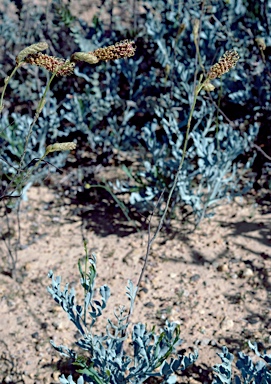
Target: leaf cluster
x,y
105,360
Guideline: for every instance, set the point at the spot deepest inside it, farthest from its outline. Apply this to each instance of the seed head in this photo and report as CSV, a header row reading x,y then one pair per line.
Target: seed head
x,y
261,43
31,50
209,87
51,63
60,147
225,63
122,49
83,56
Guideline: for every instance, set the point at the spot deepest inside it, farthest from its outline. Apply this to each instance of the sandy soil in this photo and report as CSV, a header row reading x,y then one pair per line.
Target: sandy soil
x,y
214,282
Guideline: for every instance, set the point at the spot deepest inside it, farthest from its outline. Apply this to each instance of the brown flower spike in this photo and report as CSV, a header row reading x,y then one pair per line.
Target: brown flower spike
x,y
51,63
119,50
225,63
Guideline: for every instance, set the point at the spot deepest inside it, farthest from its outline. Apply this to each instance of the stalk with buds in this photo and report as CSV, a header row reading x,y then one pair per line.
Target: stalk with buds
x,y
59,67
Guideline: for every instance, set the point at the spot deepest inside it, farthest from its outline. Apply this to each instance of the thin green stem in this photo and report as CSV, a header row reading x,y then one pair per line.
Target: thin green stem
x,y
188,128
120,203
85,281
39,109
217,122
6,81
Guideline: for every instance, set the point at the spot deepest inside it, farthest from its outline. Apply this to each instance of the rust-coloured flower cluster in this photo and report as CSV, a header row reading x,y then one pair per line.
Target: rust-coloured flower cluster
x,y
61,67
225,63
51,63
125,48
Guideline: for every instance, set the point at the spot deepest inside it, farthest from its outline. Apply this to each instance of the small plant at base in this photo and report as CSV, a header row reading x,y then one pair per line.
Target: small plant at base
x,y
154,354
105,361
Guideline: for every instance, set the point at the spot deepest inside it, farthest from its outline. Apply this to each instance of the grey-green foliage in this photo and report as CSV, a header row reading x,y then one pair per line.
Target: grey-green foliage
x,y
104,358
14,129
210,172
210,160
212,169
136,105
23,93
250,372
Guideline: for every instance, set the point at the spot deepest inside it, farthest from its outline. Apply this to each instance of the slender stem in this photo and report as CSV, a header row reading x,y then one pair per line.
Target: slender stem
x,y
85,278
39,109
209,97
158,229
197,90
7,79
120,203
217,122
262,152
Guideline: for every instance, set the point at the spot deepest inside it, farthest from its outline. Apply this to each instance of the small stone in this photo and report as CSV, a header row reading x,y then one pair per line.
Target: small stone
x,y
173,275
28,266
247,273
234,276
253,319
44,325
195,278
226,324
60,326
35,335
223,268
149,305
143,290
